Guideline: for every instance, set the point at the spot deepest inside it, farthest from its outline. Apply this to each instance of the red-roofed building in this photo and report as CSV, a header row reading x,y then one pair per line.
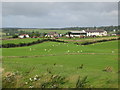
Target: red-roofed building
x,y
52,34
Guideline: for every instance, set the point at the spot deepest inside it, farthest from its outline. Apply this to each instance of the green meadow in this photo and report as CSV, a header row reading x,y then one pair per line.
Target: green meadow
x,y
27,40
98,62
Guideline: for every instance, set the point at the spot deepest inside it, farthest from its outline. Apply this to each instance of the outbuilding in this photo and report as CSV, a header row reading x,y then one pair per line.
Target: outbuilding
x,y
24,36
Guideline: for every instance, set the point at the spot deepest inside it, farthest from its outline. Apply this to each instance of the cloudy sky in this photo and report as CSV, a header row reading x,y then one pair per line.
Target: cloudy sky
x,y
59,14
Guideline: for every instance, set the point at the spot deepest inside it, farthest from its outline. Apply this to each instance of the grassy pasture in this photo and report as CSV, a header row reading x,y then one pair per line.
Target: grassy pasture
x,y
91,38
47,48
26,40
37,59
81,40
67,66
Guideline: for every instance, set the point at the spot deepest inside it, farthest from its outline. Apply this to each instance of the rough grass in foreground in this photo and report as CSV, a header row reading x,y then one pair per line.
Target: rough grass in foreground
x,y
65,65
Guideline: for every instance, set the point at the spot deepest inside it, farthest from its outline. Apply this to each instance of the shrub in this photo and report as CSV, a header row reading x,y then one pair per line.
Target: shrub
x,y
11,80
80,67
15,36
55,82
81,83
108,69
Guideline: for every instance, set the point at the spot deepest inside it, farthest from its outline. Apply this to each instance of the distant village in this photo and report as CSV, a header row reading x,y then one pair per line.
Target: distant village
x,y
67,32
83,33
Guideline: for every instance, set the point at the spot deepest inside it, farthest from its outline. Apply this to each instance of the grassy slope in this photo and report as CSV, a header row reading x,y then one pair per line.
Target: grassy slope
x,y
60,48
26,40
89,38
66,64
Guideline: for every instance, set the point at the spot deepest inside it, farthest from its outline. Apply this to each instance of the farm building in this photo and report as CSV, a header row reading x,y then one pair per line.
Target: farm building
x,y
24,36
96,32
76,33
87,33
52,34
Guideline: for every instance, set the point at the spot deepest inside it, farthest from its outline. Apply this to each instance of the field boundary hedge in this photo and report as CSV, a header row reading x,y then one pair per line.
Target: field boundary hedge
x,y
98,41
11,45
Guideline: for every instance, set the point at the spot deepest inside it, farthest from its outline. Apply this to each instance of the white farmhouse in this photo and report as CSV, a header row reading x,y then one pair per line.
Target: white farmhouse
x,y
87,33
96,32
24,36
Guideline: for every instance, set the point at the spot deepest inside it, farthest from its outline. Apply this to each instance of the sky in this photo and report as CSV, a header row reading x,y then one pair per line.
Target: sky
x,y
59,14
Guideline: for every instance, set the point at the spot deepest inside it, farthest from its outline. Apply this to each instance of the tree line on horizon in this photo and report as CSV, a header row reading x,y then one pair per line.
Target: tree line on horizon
x,y
13,31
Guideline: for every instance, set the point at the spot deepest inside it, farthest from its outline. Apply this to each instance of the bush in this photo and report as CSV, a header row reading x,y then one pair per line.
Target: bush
x,y
11,80
81,83
55,82
15,36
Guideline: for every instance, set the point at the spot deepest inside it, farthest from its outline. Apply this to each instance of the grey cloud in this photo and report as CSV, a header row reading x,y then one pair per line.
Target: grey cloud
x,y
59,14
26,9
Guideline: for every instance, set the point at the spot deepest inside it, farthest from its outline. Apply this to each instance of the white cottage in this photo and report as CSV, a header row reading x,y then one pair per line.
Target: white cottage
x,y
96,32
23,36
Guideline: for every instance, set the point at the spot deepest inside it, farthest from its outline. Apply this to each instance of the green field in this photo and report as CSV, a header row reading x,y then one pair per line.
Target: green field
x,y
27,40
63,59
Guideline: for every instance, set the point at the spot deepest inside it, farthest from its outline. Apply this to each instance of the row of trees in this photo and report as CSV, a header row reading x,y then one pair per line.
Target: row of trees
x,y
14,32
107,28
31,34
